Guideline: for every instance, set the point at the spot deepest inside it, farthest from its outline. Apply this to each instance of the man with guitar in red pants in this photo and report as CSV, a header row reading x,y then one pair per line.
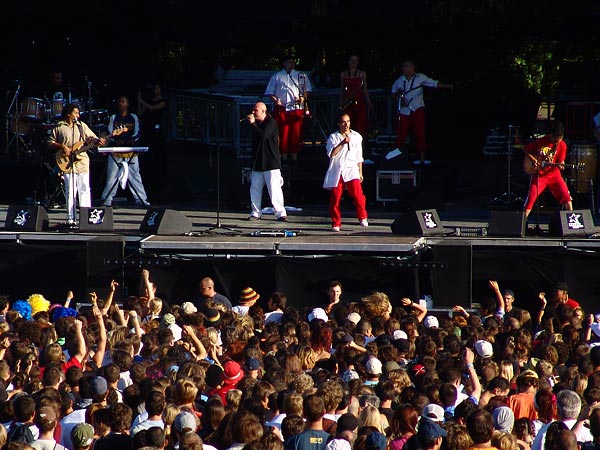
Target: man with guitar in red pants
x,y
544,160
289,89
71,138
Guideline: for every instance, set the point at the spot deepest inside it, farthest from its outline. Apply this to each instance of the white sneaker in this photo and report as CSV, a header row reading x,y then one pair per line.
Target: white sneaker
x,y
417,162
335,229
364,223
426,162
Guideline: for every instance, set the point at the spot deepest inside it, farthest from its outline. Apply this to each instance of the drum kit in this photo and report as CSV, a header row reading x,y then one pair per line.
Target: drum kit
x,y
29,122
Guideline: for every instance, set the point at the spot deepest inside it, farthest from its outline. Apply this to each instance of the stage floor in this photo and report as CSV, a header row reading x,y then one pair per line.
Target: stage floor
x,y
311,230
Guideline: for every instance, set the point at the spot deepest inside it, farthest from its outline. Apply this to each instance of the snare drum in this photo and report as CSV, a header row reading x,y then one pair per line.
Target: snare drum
x,y
33,108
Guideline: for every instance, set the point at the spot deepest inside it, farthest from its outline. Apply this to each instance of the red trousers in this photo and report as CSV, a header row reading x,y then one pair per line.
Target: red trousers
x,y
354,188
414,122
290,129
552,180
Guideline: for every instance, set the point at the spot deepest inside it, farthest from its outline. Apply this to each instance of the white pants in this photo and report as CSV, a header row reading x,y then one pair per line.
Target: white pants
x,y
81,188
274,181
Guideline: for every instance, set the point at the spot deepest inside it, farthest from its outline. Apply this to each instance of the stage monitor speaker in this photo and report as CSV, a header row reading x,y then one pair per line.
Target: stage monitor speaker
x,y
507,223
26,218
165,221
572,223
96,219
424,222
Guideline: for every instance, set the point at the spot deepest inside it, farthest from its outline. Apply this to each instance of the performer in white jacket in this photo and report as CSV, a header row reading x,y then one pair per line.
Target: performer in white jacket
x,y
344,148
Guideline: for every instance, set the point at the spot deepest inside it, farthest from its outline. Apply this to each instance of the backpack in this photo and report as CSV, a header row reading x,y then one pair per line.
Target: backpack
x,y
21,433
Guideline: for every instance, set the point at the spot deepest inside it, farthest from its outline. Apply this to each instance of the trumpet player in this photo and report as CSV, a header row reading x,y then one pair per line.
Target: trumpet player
x,y
289,89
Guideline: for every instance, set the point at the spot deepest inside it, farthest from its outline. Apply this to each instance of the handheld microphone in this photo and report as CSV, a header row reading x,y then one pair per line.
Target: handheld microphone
x,y
244,119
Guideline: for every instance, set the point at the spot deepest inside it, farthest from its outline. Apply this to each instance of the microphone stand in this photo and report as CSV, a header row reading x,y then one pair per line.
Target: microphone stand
x,y
218,225
14,102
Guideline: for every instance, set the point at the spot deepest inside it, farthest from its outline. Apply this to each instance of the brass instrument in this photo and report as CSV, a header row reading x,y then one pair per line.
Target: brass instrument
x,y
302,92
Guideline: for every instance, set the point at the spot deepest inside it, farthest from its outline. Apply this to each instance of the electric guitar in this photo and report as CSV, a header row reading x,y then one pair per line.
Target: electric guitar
x,y
65,162
531,165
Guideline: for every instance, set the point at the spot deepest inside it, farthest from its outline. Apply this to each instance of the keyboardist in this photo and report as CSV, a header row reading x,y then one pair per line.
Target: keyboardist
x,y
123,168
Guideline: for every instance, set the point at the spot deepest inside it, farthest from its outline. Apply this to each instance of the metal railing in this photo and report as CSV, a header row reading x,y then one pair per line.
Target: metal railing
x,y
214,118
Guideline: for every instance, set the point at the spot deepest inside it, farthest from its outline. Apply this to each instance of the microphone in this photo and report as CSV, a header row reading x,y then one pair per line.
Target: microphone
x,y
244,119
75,120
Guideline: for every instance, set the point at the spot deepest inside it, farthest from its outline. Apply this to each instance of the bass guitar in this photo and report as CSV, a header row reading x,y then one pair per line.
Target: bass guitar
x,y
65,162
532,166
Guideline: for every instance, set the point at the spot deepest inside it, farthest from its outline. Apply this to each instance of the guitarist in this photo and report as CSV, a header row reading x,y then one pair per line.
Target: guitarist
x,y
66,138
548,149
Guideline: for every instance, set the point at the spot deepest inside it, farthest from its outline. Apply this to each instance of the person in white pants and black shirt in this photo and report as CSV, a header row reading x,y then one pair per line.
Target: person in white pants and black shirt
x,y
266,163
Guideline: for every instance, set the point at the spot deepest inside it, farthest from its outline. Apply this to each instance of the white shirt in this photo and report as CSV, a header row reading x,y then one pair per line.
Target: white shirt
x,y
413,91
540,439
345,163
241,310
288,88
146,424
124,381
68,423
273,316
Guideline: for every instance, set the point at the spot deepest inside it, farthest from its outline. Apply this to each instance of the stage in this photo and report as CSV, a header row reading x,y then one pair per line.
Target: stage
x,y
452,269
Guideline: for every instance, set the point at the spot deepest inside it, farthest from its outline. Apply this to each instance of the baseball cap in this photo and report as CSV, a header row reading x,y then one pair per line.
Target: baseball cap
x,y
400,334
183,420
508,292
484,348
354,317
82,435
391,365
167,319
347,338
98,386
318,313
429,430
433,412
374,366
232,372
189,308
431,321
252,364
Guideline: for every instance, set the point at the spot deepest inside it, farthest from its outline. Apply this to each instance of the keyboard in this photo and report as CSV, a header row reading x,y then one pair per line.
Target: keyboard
x,y
122,149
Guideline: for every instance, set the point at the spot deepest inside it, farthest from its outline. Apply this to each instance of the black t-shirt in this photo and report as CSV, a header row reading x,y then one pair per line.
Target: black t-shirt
x,y
114,441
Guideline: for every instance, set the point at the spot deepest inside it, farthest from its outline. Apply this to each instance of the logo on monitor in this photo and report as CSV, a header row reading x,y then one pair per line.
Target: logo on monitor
x,y
96,217
21,218
429,221
575,221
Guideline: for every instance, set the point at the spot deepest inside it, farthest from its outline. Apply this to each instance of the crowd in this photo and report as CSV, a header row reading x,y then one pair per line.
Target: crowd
x,y
255,373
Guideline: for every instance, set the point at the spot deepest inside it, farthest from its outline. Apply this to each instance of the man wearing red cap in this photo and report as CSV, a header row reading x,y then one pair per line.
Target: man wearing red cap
x,y
232,374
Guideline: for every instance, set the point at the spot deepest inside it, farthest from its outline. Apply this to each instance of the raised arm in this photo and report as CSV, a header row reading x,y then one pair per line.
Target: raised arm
x,y
421,310
544,302
201,352
468,359
98,357
148,284
499,297
109,297
81,350
135,320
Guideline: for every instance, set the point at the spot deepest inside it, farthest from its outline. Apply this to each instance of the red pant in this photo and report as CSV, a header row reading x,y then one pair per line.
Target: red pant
x,y
414,122
552,180
354,188
290,129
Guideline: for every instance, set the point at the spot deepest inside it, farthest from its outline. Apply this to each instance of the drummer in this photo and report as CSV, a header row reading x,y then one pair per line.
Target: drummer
x,y
57,94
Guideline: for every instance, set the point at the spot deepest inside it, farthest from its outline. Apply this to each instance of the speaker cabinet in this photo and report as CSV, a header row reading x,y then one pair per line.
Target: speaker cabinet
x,y
424,222
96,219
165,221
26,218
572,223
98,272
507,223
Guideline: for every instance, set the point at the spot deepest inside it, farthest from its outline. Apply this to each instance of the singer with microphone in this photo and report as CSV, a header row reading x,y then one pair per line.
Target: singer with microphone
x,y
344,149
70,138
288,89
266,163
